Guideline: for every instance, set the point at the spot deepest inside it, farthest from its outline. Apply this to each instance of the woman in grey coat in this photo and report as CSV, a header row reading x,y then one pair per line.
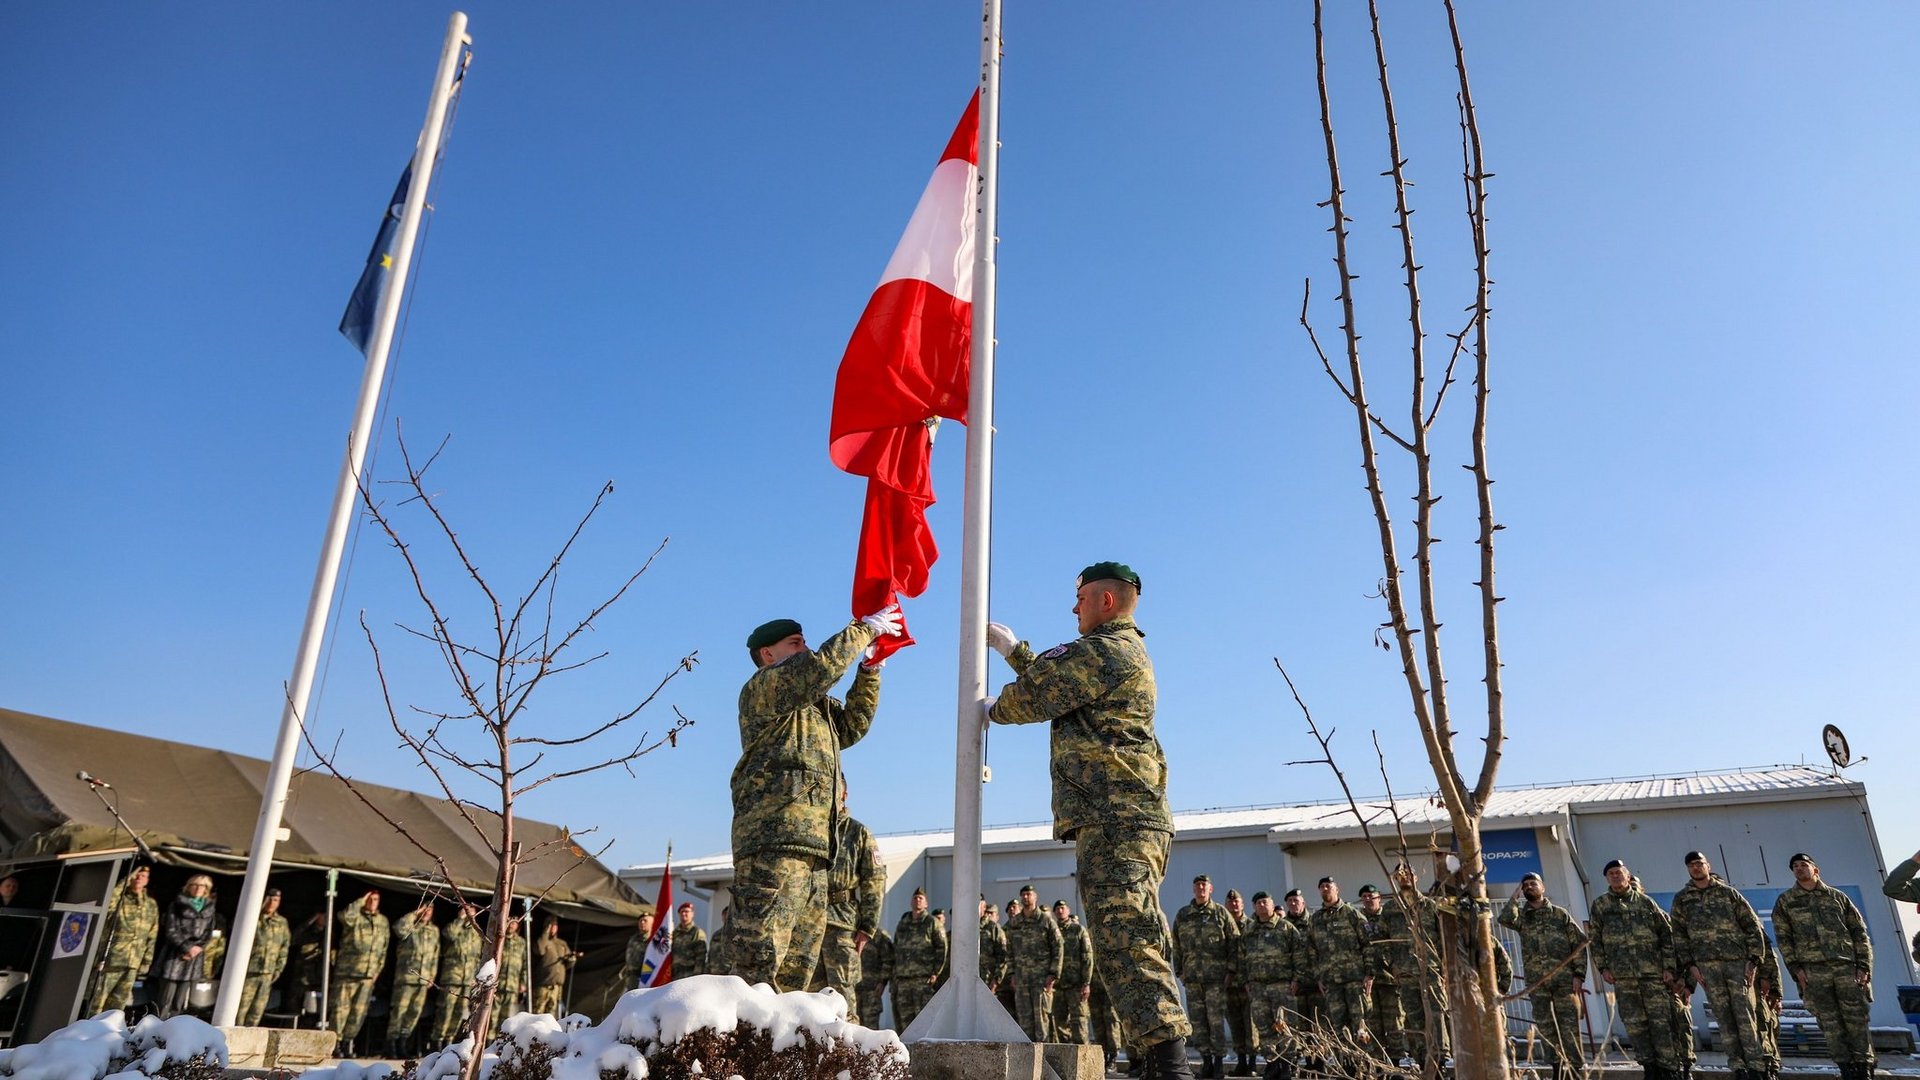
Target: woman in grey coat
x,y
185,929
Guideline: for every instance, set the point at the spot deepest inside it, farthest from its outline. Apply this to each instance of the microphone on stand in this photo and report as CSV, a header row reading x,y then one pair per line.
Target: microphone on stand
x,y
91,780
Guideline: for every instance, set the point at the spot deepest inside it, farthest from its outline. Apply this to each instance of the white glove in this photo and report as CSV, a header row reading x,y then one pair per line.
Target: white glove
x,y
887,620
1001,638
986,706
868,663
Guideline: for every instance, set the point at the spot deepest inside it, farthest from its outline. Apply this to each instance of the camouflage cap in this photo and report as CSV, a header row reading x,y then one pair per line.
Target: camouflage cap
x,y
769,632
1261,895
1108,571
1369,890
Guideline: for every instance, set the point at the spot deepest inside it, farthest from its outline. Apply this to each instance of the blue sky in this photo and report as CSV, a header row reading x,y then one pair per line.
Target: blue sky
x,y
657,224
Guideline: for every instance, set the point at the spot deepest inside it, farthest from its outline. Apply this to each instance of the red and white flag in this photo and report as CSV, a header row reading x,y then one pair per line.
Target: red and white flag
x,y
907,364
657,968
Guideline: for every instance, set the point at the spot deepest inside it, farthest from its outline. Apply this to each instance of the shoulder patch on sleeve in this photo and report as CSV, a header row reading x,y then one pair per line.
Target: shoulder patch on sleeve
x,y
1054,653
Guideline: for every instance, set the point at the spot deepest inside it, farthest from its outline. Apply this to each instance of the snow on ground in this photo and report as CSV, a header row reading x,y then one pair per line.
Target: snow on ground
x,y
103,1046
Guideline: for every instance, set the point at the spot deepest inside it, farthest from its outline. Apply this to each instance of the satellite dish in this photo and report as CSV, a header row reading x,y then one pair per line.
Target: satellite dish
x,y
1836,744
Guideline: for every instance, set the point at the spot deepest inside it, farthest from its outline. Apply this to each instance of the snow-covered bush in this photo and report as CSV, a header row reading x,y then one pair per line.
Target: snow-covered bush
x,y
179,1048
708,1026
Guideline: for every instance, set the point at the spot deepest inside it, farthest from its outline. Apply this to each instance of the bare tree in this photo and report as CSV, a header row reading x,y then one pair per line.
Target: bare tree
x,y
1413,622
481,762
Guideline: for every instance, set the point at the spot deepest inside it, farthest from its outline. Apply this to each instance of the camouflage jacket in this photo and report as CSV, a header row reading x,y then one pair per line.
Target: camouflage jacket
x,y
360,948
1401,950
1337,943
857,880
1272,952
1632,938
270,940
460,946
919,947
1098,693
689,952
1903,884
717,950
876,965
1379,941
1034,947
552,956
1820,926
134,924
1205,943
416,950
993,951
513,967
1076,956
1715,923
786,786
1547,935
309,950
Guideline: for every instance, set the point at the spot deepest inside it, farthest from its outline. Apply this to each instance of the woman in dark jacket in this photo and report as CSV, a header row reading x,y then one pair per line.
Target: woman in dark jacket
x,y
185,930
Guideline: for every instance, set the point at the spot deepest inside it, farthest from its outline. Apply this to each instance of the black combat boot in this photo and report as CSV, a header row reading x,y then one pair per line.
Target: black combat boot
x,y
1243,1065
1168,1061
1136,1063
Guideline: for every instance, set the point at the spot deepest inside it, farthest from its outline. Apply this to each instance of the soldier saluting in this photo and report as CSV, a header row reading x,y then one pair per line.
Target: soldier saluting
x,y
1109,796
785,799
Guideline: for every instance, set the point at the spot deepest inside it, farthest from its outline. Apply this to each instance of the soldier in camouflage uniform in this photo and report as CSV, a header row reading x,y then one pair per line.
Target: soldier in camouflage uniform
x,y
416,959
1034,953
1272,953
1109,796
634,961
1239,1008
1632,946
876,972
360,952
268,959
511,998
1206,942
1766,1012
995,959
1548,936
1386,1015
553,958
855,886
717,962
1903,882
1337,951
1307,1003
1719,944
132,925
309,961
1075,987
919,957
689,946
460,946
1824,941
1411,922
785,811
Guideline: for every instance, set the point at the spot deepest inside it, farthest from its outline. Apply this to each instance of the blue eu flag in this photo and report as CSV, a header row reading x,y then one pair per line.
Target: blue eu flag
x,y
357,324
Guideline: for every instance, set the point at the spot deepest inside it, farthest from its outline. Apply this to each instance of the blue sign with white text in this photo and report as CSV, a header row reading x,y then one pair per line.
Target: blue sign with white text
x,y
1510,854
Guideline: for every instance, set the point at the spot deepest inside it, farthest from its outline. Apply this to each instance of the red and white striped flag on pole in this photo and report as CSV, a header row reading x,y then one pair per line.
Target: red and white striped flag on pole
x,y
907,364
657,968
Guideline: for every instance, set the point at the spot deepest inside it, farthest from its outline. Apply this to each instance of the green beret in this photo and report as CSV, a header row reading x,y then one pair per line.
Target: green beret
x,y
1025,889
1369,890
1109,571
1198,878
1233,894
1261,895
1059,903
769,632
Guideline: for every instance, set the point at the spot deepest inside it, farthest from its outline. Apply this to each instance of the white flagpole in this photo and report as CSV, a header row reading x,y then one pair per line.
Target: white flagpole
x,y
968,1011
266,832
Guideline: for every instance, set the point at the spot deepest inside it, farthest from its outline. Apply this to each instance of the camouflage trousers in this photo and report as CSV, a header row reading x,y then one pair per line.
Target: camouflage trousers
x,y
839,967
1120,870
1731,999
779,918
253,999
910,995
409,1001
1841,1006
1207,1012
1766,1024
1239,1013
451,1013
1556,1024
349,1007
1387,1018
546,999
114,990
1646,1009
1034,1000
1345,1002
1069,1015
1271,1006
869,995
1105,1026
1421,997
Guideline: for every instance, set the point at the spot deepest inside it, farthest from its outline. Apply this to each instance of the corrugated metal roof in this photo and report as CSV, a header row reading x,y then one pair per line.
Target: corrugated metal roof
x,y
1333,820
